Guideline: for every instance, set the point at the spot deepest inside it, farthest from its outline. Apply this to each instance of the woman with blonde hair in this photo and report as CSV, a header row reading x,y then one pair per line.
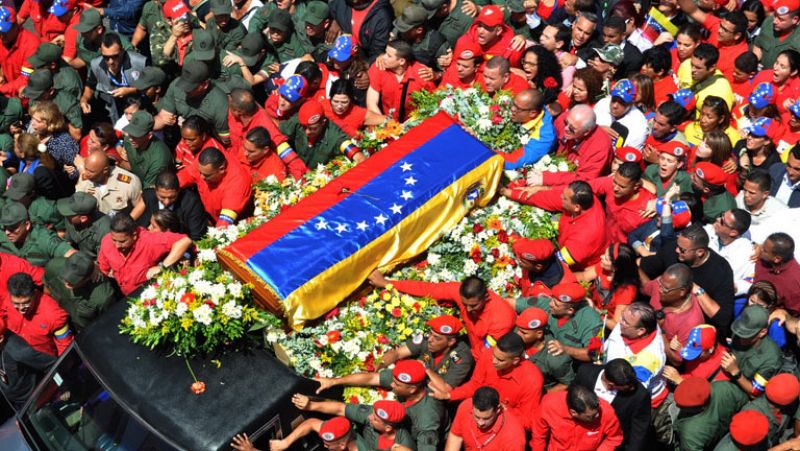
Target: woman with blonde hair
x,y
49,125
34,159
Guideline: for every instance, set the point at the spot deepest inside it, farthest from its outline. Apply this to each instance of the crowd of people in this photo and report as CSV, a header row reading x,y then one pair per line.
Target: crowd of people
x,y
666,312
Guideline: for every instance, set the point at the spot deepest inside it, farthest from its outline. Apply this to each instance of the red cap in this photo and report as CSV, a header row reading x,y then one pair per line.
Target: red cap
x,y
490,15
532,318
533,250
783,389
409,371
749,427
174,9
540,289
446,325
693,392
711,173
785,6
675,148
721,2
569,292
334,429
467,49
389,411
628,154
310,113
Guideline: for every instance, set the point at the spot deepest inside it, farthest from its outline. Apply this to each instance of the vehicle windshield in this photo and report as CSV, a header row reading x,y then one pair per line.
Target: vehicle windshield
x,y
72,412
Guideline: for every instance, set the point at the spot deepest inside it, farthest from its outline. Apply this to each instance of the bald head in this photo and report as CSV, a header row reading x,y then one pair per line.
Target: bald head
x,y
530,99
96,167
582,118
243,101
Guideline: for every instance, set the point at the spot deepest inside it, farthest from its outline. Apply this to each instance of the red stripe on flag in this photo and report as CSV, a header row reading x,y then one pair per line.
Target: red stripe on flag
x,y
338,189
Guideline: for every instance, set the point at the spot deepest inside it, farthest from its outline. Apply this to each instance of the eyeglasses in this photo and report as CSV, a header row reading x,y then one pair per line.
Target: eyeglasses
x,y
721,219
515,107
530,63
111,57
664,289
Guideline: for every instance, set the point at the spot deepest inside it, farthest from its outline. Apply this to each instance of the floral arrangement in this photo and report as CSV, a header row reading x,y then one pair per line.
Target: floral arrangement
x,y
376,138
353,338
548,163
480,245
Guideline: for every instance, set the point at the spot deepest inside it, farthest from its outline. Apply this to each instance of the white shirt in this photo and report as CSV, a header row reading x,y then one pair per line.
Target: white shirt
x,y
633,120
761,225
601,391
738,254
786,189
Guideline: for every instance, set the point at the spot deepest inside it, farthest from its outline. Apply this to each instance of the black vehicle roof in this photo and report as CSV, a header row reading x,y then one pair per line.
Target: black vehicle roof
x,y
245,392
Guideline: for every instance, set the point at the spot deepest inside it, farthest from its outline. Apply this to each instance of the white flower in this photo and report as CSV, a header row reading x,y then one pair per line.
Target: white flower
x,y
195,276
274,335
149,292
156,316
271,179
216,291
563,166
235,289
483,110
470,267
203,314
327,372
323,340
524,138
434,259
484,124
490,258
232,310
232,234
179,282
447,104
207,255
181,309
202,286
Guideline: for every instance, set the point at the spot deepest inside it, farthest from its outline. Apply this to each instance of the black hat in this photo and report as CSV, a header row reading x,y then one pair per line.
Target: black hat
x,y
193,73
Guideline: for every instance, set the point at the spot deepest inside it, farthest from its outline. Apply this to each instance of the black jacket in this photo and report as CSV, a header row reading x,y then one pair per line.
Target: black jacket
x,y
188,207
375,29
632,409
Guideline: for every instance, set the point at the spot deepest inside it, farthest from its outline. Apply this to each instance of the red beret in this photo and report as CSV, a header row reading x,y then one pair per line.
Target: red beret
x,y
310,113
675,148
785,6
467,49
749,427
783,389
533,250
334,429
692,392
540,289
490,15
711,173
628,154
569,292
389,411
446,325
532,318
409,371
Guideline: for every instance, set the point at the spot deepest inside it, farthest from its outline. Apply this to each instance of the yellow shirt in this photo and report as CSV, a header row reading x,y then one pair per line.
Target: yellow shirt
x,y
694,134
720,87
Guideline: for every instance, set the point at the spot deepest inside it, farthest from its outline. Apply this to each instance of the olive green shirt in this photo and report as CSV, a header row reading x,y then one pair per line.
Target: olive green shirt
x,y
260,19
40,246
88,239
285,51
455,25
147,164
681,178
556,369
43,211
333,142
211,106
84,303
367,437
585,324
227,39
426,416
68,104
66,79
12,112
454,368
158,31
771,46
716,205
701,431
761,362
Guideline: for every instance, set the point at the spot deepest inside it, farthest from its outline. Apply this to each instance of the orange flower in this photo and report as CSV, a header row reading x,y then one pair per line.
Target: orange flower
x,y
495,224
394,128
198,387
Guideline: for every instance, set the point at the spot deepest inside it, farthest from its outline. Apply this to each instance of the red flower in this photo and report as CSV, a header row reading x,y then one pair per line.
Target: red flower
x,y
353,399
188,298
382,339
502,236
183,271
369,364
475,254
497,119
416,307
198,387
423,264
477,228
496,252
333,313
209,303
334,336
396,312
363,301
550,83
494,108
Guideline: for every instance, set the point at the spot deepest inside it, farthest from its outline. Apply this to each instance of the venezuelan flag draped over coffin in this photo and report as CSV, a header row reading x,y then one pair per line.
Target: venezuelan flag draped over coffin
x,y
381,213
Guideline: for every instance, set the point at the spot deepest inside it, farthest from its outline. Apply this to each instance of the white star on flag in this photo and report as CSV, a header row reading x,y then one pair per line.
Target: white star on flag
x,y
321,225
380,219
396,209
410,180
406,166
362,225
406,195
341,228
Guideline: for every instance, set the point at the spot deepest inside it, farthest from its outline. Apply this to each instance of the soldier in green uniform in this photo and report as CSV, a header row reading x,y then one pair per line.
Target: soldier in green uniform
x,y
146,155
248,61
204,49
79,288
86,225
11,114
754,356
297,11
65,78
427,43
153,24
41,87
41,211
532,327
317,140
284,42
91,31
749,430
34,243
515,18
312,32
227,31
193,94
449,19
448,359
573,321
705,411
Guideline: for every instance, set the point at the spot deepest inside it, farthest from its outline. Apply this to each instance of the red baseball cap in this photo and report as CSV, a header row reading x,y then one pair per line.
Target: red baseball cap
x,y
569,292
490,15
675,148
749,427
532,318
334,429
409,371
389,411
310,113
710,173
467,49
446,325
174,9
533,250
693,392
783,389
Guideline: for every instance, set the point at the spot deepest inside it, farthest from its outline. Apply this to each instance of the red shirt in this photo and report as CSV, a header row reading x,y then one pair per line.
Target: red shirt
x,y
675,324
789,90
357,18
515,84
622,216
45,329
271,164
520,388
663,88
705,368
450,77
184,157
527,288
46,24
496,319
500,47
507,433
130,270
727,53
391,89
555,430
351,122
281,145
622,295
786,279
592,156
582,239
14,62
229,198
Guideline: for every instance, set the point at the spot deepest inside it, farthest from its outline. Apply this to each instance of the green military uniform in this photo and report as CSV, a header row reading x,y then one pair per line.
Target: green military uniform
x,y
148,163
40,245
426,416
367,437
88,240
285,51
4,176
454,367
717,204
260,20
771,46
455,25
759,363
556,369
70,108
11,112
66,79
777,426
332,143
701,431
585,324
432,46
84,303
212,106
43,211
681,178
158,31
315,13
227,39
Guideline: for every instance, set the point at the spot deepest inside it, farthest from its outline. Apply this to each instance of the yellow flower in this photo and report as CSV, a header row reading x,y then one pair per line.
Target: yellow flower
x,y
186,322
386,296
407,331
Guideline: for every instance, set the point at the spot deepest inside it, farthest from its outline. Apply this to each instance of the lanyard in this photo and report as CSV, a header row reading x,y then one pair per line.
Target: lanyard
x,y
123,83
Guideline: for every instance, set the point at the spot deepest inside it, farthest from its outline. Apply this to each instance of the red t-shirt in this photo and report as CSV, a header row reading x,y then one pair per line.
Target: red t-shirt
x,y
789,90
229,199
47,25
45,329
391,89
727,53
624,295
663,88
622,216
351,122
515,84
271,164
507,430
676,324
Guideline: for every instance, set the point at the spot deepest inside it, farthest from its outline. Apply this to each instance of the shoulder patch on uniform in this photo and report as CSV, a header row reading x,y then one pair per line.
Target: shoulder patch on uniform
x,y
417,340
124,178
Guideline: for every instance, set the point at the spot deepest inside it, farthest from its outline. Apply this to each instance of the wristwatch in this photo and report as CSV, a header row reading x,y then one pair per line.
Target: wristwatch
x,y
699,291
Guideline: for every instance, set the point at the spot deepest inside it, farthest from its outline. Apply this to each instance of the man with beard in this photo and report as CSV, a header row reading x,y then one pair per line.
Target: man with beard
x,y
483,423
86,224
427,43
778,32
754,357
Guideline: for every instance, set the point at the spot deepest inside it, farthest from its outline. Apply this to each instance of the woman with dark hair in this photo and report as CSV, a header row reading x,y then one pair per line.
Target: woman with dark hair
x,y
785,80
587,86
196,135
764,294
543,72
165,221
716,148
714,115
686,41
101,138
755,13
51,182
645,98
342,110
756,150
616,282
